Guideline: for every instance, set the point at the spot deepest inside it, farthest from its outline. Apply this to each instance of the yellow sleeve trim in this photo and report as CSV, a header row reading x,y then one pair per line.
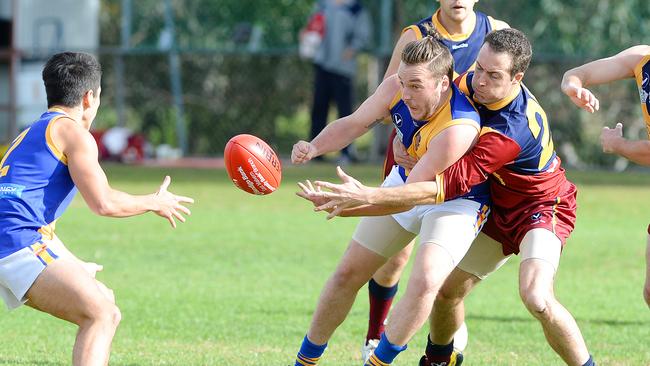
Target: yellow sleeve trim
x,y
396,99
440,196
50,143
414,28
639,67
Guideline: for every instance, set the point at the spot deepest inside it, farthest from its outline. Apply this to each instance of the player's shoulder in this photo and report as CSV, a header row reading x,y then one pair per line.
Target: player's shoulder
x,y
497,24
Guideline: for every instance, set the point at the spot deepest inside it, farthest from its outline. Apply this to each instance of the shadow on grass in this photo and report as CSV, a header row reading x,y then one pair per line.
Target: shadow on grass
x,y
517,319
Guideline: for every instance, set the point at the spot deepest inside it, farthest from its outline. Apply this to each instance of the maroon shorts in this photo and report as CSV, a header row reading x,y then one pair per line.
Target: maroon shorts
x,y
556,214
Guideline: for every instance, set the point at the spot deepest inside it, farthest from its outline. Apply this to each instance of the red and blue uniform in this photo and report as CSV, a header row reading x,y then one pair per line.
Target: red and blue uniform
x,y
35,187
515,153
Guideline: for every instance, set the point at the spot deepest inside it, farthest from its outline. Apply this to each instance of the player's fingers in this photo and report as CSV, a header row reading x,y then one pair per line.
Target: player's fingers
x,y
311,186
304,188
327,185
596,103
183,209
337,211
165,183
344,177
327,206
184,199
170,218
178,216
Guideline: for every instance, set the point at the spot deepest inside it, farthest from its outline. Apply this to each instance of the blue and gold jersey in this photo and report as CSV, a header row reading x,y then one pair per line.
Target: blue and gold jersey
x,y
416,135
35,187
520,118
464,47
642,76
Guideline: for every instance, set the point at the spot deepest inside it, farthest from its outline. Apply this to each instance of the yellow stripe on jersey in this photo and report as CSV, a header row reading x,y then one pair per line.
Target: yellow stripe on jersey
x,y
440,196
415,29
50,143
505,101
638,76
554,220
396,98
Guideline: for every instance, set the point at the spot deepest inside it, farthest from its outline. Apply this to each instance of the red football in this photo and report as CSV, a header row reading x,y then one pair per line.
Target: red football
x,y
252,165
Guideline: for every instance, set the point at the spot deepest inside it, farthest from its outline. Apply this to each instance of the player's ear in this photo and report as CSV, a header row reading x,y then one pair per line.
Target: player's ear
x,y
87,99
518,77
445,82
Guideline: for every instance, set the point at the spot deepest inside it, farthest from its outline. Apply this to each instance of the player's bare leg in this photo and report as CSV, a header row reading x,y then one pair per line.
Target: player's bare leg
x,y
448,312
536,278
355,269
66,290
381,294
646,288
432,265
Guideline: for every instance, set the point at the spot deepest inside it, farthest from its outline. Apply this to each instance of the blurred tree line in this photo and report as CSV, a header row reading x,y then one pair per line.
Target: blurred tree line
x,y
241,73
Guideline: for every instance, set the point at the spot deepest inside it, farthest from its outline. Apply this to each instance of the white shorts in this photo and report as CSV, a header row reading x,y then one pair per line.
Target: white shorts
x,y
411,220
486,255
19,270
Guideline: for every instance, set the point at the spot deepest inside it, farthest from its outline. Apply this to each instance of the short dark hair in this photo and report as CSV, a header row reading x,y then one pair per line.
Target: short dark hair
x,y
514,43
68,76
427,50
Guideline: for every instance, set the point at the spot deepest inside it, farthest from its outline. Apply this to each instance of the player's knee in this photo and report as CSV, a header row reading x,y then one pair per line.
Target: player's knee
x,y
536,301
424,286
348,277
448,297
103,312
398,262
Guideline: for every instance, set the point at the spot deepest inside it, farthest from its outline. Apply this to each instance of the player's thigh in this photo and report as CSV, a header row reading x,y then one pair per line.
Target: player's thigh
x,y
452,231
382,235
540,257
483,257
64,289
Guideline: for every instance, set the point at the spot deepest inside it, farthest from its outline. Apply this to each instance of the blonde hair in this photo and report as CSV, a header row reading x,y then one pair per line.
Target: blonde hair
x,y
429,50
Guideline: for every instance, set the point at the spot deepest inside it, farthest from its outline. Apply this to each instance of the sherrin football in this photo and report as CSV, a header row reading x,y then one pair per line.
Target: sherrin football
x,y
252,165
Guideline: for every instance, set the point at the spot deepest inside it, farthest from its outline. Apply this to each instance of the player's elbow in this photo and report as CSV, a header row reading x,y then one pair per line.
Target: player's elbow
x,y
103,208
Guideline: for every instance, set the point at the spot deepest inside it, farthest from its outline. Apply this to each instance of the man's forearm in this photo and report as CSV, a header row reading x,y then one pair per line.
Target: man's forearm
x,y
336,136
636,151
411,194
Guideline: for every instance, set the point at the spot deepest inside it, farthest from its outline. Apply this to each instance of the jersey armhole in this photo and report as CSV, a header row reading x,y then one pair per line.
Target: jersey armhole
x,y
50,143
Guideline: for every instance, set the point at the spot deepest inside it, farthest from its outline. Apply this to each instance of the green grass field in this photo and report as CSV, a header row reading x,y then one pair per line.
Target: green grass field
x,y
237,284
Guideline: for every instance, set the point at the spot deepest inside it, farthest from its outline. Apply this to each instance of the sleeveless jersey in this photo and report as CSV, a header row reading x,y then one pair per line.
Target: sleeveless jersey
x,y
464,48
642,76
35,187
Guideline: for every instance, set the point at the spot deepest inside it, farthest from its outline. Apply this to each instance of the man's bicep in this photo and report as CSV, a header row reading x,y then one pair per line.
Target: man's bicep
x,y
84,168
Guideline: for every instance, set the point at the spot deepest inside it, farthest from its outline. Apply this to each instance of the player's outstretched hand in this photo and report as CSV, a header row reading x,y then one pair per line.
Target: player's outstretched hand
x,y
350,193
170,205
582,97
302,152
611,138
308,192
402,157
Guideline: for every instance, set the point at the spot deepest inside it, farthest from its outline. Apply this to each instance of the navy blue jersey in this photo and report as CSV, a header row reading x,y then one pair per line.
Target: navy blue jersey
x,y
464,48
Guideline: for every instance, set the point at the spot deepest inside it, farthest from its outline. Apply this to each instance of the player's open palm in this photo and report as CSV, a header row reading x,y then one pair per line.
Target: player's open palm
x,y
169,205
302,152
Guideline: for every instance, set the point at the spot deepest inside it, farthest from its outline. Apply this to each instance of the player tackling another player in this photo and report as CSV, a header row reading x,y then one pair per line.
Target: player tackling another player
x,y
39,176
533,204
